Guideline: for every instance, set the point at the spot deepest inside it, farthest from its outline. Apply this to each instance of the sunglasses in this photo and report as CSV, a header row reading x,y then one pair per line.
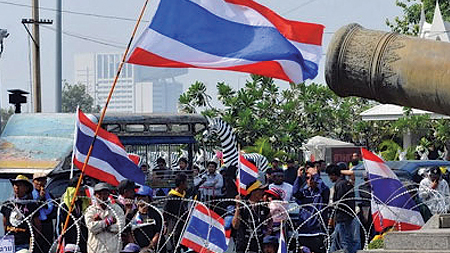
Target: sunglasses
x,y
308,178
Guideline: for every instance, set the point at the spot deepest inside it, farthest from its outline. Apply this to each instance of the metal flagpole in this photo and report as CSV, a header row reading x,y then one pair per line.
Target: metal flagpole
x,y
102,116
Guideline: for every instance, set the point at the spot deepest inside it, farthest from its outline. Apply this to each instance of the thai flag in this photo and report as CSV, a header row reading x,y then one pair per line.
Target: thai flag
x,y
391,203
109,162
237,35
247,174
282,248
205,231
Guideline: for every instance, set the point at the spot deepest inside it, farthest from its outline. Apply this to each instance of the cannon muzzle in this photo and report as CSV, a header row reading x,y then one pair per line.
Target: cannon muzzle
x,y
389,68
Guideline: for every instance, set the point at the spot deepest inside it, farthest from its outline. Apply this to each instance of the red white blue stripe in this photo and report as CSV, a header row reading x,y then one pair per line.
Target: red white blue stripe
x,y
205,231
247,173
109,162
238,35
282,247
391,204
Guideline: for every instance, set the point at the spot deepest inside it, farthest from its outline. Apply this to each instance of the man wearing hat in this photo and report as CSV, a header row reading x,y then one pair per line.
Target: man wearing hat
x,y
46,207
243,220
104,221
17,210
146,224
434,191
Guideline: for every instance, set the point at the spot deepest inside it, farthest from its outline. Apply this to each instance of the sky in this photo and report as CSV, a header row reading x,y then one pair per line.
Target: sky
x,y
105,26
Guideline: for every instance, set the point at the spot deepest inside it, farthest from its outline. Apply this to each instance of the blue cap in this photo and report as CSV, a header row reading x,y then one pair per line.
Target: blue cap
x,y
145,191
131,247
270,239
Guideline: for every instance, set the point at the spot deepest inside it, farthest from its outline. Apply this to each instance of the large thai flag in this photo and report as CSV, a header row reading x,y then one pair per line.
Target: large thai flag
x,y
205,231
238,35
247,174
109,162
391,203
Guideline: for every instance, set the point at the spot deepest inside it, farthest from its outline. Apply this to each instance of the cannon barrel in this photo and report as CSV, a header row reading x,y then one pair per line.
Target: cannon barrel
x,y
389,68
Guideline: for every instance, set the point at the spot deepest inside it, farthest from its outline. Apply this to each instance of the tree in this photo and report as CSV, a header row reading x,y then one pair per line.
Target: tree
x,y
76,95
4,116
409,22
277,121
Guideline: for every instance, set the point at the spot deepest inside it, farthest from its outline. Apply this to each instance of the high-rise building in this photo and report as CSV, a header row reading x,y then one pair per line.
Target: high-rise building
x,y
139,88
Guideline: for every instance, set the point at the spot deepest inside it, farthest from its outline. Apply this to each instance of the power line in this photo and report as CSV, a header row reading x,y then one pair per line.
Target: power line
x,y
90,39
75,12
298,7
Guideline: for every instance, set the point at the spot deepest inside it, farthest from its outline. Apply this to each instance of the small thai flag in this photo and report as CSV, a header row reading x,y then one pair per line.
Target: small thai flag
x,y
247,174
109,162
282,248
205,231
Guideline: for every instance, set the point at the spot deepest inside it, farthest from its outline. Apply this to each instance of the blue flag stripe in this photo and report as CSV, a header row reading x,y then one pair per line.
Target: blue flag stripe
x,y
183,20
200,228
393,192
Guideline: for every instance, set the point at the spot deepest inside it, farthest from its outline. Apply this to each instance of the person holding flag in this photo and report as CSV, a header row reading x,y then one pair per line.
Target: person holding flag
x,y
251,227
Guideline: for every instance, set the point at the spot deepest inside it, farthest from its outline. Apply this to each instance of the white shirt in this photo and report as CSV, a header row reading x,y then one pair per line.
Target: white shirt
x,y
213,185
285,188
437,199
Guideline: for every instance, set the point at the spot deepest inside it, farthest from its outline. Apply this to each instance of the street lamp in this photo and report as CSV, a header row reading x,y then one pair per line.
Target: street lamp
x,y
3,34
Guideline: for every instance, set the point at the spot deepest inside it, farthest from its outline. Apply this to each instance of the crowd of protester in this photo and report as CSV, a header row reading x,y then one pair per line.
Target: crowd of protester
x,y
126,219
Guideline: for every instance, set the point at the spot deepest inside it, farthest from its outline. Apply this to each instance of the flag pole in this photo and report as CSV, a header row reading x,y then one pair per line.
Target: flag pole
x,y
239,171
100,121
75,132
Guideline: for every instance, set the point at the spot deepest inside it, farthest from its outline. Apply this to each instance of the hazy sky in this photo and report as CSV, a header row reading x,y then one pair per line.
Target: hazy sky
x,y
110,22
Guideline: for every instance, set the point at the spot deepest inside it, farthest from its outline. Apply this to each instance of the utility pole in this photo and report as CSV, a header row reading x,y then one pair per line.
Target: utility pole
x,y
58,88
36,59
35,21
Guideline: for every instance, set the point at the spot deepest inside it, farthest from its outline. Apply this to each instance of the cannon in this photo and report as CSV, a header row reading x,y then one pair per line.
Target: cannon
x,y
389,68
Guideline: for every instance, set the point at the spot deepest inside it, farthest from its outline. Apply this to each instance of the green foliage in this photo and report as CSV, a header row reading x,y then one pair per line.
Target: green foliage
x,y
376,244
409,22
263,115
76,95
4,116
263,146
389,150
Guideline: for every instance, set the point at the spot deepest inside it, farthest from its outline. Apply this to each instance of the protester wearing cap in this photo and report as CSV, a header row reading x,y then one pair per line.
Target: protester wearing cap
x,y
104,221
16,212
313,197
260,214
146,224
46,208
434,191
278,208
278,182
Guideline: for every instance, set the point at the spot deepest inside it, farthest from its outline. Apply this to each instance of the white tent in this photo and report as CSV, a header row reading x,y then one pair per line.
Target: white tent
x,y
317,146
